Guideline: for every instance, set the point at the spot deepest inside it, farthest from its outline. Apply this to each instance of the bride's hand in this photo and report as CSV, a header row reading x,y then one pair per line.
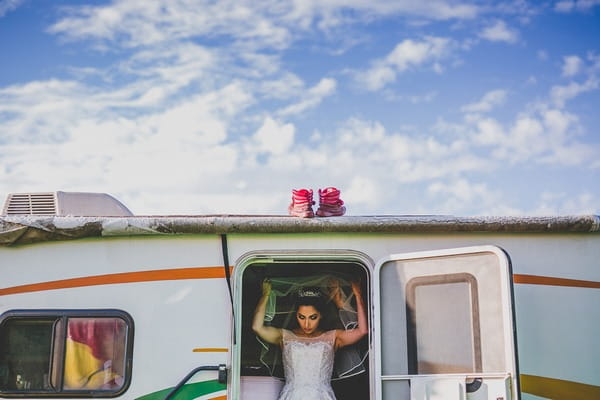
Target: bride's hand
x,y
266,287
335,293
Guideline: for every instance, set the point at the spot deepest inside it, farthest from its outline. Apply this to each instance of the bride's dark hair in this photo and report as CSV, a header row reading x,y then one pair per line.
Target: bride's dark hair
x,y
310,297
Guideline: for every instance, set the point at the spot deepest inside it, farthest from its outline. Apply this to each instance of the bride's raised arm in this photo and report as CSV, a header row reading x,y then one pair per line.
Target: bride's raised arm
x,y
351,336
269,334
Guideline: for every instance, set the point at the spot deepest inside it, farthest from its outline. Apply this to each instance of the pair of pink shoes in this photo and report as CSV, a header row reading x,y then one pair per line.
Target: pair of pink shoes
x,y
330,204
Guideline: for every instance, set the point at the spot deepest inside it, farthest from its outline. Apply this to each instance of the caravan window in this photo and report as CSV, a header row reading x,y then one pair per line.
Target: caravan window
x,y
79,354
433,304
261,365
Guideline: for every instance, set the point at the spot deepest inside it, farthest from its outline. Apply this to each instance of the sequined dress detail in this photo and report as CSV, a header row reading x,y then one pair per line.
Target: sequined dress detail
x,y
308,364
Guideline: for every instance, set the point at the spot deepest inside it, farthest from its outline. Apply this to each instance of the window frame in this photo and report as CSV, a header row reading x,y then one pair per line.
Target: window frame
x,y
295,257
59,340
411,315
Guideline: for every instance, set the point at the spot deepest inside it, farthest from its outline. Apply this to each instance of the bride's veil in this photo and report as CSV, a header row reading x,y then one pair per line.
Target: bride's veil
x,y
280,312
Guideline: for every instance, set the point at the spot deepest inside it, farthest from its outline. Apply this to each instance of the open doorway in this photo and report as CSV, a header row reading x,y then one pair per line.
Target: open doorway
x,y
261,365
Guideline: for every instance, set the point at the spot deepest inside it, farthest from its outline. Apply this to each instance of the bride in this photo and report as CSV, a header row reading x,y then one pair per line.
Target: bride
x,y
308,351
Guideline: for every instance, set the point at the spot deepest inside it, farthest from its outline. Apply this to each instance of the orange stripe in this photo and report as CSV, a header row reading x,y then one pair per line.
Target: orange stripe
x,y
217,272
210,350
125,277
558,389
551,281
219,398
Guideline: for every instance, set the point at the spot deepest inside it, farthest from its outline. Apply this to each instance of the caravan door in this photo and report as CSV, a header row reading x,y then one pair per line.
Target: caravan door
x,y
445,328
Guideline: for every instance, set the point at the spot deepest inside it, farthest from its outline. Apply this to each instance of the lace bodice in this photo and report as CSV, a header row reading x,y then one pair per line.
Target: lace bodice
x,y
308,364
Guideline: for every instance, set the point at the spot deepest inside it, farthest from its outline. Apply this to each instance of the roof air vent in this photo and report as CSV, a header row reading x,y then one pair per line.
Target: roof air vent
x,y
79,204
30,204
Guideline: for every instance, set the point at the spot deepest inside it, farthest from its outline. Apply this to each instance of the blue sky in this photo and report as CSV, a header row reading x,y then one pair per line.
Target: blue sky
x,y
409,107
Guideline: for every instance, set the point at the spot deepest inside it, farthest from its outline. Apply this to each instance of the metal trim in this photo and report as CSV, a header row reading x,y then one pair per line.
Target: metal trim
x,y
32,229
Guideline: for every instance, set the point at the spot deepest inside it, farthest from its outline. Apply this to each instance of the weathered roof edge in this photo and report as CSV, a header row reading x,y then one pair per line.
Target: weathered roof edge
x,y
31,229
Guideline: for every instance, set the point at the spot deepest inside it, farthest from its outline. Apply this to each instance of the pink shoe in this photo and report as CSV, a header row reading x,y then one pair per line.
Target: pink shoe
x,y
302,202
330,204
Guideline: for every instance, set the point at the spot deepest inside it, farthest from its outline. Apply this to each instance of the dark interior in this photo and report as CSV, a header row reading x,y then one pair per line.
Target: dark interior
x,y
351,388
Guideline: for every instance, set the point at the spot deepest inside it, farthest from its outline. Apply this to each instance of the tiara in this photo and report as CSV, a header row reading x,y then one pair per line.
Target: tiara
x,y
309,293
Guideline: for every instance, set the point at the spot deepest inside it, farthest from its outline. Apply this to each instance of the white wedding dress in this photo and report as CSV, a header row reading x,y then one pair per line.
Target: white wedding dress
x,y
308,364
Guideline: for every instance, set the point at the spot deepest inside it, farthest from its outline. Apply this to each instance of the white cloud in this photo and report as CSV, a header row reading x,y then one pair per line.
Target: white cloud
x,y
7,6
286,86
180,62
268,23
377,76
459,196
138,23
546,136
361,191
406,55
490,100
433,9
39,111
526,140
423,98
274,137
571,65
79,143
551,203
594,60
564,6
489,132
560,94
411,53
500,32
199,120
168,158
567,6
372,166
426,97
312,97
45,110
362,145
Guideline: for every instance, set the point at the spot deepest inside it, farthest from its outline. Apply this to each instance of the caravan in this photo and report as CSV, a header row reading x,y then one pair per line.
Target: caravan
x,y
97,303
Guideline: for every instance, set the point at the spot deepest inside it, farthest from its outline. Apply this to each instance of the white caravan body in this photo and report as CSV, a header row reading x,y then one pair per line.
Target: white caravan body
x,y
458,308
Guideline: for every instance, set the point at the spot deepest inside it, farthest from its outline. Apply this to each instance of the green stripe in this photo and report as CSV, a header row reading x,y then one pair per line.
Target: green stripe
x,y
187,392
